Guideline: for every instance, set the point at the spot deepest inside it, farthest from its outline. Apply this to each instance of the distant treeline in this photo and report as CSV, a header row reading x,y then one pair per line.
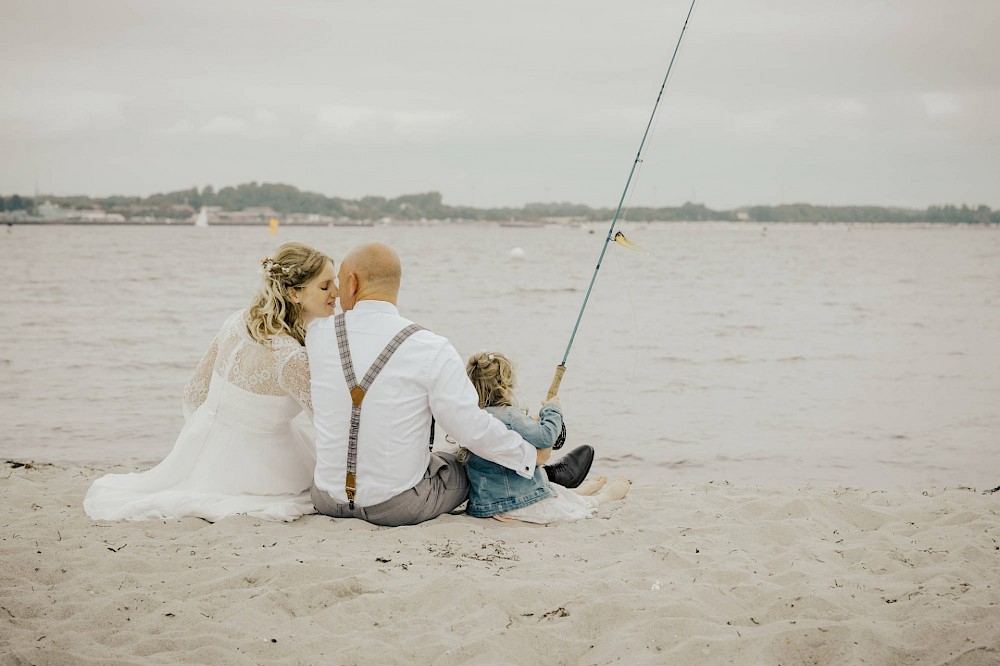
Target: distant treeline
x,y
429,205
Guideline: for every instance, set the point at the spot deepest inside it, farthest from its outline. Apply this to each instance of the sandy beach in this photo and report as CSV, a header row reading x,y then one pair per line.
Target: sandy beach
x,y
710,573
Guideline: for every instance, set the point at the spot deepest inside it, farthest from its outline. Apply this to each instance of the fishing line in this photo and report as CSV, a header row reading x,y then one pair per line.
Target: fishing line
x,y
623,223
630,378
561,368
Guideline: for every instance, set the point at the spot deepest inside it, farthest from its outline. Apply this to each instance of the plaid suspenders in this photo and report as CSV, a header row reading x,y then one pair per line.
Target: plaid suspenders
x,y
358,391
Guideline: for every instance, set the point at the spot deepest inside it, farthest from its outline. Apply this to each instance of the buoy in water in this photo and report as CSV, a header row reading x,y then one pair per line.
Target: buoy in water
x,y
517,253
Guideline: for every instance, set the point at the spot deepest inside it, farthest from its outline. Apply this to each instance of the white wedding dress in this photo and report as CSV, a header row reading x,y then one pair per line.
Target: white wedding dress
x,y
239,452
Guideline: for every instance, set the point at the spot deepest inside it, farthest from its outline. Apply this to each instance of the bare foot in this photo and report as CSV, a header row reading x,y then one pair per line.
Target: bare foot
x,y
616,490
591,486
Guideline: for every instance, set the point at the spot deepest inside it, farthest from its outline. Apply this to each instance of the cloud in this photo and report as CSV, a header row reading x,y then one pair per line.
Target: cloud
x,y
46,112
262,123
941,104
182,126
849,106
355,123
225,125
422,122
263,117
344,121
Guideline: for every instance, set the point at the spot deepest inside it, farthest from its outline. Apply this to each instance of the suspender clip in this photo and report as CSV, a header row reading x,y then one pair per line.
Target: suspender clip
x,y
350,487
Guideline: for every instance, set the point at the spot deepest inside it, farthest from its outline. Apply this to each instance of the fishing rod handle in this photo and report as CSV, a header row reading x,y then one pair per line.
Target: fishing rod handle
x,y
556,380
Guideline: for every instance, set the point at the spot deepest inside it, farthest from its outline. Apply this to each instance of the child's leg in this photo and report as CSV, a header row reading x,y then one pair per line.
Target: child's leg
x,y
614,491
591,486
504,519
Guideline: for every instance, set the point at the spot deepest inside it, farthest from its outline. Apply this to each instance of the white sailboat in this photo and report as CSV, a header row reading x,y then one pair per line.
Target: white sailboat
x,y
202,220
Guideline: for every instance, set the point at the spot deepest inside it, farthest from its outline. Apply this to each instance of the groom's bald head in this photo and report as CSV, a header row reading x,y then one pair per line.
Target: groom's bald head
x,y
369,272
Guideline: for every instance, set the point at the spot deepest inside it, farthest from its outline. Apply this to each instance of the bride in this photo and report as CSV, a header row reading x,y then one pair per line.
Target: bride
x,y
239,452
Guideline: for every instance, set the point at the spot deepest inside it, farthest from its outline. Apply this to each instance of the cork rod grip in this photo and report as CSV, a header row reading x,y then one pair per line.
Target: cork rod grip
x,y
556,380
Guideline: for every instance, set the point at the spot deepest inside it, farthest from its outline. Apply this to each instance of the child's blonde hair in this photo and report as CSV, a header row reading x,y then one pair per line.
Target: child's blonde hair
x,y
493,376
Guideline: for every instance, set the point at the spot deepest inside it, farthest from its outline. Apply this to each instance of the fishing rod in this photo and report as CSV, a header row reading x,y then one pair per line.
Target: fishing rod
x,y
561,368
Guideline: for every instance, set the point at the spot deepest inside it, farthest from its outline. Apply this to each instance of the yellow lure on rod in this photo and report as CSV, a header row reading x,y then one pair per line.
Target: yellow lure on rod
x,y
624,242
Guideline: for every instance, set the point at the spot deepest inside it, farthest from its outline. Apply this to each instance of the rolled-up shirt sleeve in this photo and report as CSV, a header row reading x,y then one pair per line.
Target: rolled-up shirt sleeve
x,y
455,405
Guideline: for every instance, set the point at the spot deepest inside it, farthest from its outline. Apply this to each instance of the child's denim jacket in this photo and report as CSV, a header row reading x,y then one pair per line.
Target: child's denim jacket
x,y
496,489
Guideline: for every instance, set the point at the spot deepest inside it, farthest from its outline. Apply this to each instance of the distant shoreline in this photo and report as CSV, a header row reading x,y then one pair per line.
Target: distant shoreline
x,y
526,224
253,203
588,225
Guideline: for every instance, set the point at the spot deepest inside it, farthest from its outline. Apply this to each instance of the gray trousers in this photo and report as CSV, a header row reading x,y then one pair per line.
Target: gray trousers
x,y
444,487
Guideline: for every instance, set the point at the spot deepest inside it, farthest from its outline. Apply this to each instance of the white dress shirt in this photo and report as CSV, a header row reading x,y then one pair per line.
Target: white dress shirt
x,y
425,376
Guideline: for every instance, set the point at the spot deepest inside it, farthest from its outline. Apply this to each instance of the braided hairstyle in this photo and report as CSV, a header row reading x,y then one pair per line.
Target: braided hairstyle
x,y
272,311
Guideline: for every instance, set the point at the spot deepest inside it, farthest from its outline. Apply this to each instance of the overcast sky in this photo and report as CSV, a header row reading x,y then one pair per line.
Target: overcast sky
x,y
885,102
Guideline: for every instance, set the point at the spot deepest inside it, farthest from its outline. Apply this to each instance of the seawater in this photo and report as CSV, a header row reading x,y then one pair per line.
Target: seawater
x,y
780,355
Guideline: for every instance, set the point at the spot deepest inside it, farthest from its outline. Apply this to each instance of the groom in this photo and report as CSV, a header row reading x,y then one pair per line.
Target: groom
x,y
378,383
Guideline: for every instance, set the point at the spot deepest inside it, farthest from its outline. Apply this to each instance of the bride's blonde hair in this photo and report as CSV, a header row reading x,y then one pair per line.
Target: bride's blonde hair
x,y
272,311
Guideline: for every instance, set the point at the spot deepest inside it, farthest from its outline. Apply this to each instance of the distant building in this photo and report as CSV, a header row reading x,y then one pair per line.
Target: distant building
x,y
94,216
250,216
308,219
51,211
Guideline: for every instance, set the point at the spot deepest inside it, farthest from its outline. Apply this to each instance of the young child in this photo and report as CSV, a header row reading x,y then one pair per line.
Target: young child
x,y
500,493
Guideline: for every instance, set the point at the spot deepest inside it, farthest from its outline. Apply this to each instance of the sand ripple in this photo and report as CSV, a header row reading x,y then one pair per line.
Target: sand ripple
x,y
698,573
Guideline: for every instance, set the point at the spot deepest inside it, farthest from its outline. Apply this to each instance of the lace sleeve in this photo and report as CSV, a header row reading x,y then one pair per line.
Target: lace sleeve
x,y
294,379
196,390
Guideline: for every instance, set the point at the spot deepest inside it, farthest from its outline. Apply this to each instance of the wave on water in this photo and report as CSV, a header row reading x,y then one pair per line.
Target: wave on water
x,y
824,358
745,360
546,290
621,460
638,462
183,365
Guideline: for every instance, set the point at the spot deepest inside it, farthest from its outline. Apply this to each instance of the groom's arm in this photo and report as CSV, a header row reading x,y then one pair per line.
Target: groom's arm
x,y
455,405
